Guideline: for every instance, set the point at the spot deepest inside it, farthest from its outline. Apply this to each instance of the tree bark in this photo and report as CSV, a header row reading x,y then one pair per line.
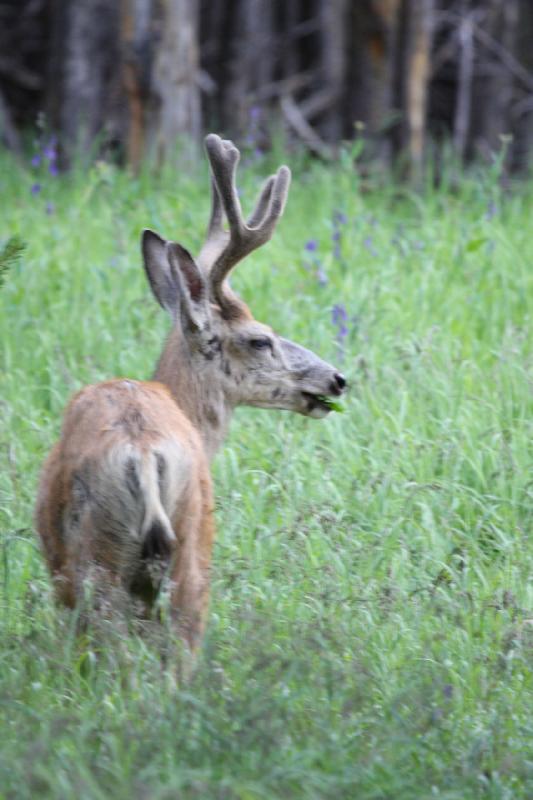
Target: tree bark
x,y
334,27
495,33
421,16
463,104
522,119
175,86
371,72
84,74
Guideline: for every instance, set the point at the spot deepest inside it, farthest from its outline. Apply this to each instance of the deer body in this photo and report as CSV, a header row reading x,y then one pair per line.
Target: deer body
x,y
125,497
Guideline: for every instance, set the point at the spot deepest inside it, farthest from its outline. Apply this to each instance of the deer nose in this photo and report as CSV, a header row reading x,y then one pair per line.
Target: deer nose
x,y
338,383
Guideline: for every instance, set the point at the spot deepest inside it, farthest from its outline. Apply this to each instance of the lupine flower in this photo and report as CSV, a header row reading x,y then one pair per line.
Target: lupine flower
x,y
336,239
46,153
321,276
50,151
252,140
339,318
369,244
50,208
340,218
492,210
311,246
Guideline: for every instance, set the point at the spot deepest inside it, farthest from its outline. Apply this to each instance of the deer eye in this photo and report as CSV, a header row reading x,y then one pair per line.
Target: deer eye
x,y
260,343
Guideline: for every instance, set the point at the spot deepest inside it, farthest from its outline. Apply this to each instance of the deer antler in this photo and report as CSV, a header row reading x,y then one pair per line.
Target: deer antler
x,y
223,249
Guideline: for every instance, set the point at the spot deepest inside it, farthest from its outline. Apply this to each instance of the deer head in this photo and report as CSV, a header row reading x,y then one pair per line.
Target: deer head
x,y
218,356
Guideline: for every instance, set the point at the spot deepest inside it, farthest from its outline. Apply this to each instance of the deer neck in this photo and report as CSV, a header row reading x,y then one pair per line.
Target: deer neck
x,y
200,397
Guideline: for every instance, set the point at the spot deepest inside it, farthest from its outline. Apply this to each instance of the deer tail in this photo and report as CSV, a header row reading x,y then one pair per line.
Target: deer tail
x,y
158,538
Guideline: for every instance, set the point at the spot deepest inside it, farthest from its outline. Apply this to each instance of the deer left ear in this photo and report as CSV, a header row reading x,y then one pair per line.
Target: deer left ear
x,y
194,303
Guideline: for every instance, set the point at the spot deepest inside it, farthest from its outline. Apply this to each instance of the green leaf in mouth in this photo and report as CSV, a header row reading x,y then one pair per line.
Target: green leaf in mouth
x,y
331,404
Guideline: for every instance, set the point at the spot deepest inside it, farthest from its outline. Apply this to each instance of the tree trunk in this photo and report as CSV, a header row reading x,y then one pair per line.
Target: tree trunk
x,y
83,73
137,45
371,72
522,119
461,127
175,93
495,35
419,39
334,28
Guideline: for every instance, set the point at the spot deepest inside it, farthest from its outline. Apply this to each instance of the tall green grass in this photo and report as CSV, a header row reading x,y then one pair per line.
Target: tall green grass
x,y
371,626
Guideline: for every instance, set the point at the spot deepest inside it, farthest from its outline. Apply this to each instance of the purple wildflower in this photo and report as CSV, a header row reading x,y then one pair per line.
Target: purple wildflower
x,y
448,691
36,160
369,244
50,208
339,318
254,115
321,276
36,188
340,218
311,246
336,239
50,151
492,210
53,169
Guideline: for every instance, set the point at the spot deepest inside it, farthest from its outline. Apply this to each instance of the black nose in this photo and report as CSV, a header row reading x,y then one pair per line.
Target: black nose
x,y
338,383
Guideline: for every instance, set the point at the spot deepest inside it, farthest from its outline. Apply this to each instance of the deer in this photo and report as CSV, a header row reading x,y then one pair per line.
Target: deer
x,y
125,498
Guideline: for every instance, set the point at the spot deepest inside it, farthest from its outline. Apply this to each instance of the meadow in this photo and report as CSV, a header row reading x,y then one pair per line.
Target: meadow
x,y
370,632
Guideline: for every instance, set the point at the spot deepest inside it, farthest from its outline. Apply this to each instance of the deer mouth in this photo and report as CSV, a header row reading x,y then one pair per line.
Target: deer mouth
x,y
317,405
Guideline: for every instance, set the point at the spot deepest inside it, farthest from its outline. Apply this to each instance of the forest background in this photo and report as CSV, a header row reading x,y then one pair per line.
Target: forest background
x,y
127,78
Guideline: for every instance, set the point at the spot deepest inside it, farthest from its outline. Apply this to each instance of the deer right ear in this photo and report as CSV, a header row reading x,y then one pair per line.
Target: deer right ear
x,y
162,278
194,303
176,280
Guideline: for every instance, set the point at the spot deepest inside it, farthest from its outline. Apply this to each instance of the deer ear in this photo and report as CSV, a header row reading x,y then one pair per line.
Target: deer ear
x,y
162,280
175,279
194,304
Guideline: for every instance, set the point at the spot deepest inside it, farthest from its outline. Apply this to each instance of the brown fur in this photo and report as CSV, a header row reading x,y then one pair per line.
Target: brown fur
x,y
82,529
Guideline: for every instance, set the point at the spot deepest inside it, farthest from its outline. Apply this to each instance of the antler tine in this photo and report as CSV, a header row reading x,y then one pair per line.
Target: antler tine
x,y
262,203
243,237
216,218
224,157
278,198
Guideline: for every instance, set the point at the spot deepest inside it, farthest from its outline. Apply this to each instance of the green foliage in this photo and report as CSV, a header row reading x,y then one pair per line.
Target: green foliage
x,y
10,255
371,624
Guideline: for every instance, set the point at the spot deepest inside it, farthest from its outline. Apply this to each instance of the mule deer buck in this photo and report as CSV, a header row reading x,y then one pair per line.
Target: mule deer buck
x,y
125,498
